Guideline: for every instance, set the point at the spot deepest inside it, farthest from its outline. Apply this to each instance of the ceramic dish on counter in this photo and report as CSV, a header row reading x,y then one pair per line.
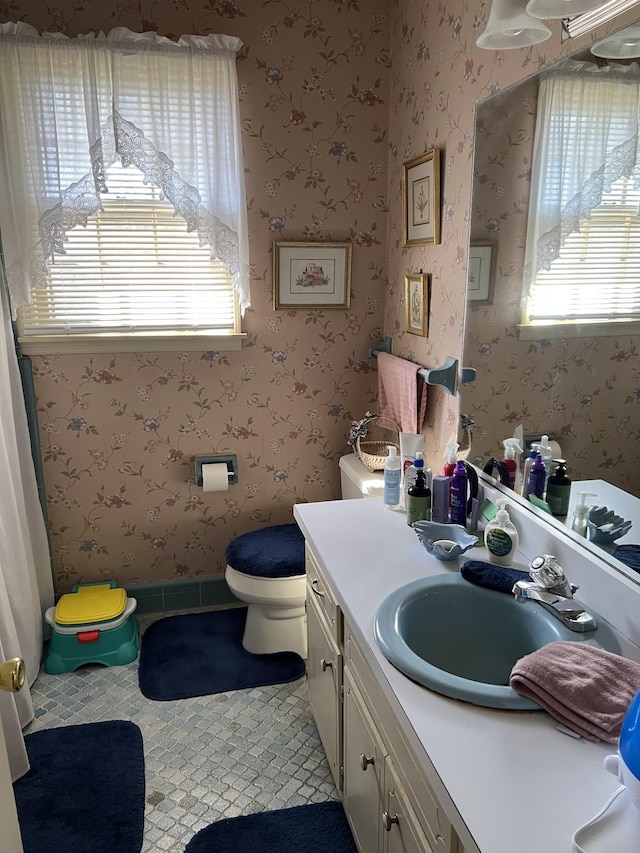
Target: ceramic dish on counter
x,y
444,541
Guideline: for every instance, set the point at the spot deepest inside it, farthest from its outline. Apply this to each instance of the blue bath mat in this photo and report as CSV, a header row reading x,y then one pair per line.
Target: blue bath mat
x,y
201,653
316,828
84,792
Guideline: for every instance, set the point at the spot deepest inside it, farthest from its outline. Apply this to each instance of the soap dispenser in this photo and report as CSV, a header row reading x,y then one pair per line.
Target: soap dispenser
x,y
559,489
501,537
581,514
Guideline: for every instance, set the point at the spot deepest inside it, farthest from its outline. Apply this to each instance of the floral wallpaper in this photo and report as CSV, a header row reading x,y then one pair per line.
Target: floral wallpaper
x,y
586,390
335,95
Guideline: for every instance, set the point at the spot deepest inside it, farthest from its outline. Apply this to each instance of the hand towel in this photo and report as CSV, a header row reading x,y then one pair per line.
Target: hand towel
x,y
402,393
493,577
587,689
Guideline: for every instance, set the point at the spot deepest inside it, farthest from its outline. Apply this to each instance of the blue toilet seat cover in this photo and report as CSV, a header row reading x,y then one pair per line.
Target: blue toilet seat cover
x,y
274,552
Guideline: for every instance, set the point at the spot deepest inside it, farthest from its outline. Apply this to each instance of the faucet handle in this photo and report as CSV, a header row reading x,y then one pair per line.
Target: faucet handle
x,y
547,571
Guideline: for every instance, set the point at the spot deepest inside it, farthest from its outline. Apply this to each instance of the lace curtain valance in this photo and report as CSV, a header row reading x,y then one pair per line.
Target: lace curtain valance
x,y
587,136
70,107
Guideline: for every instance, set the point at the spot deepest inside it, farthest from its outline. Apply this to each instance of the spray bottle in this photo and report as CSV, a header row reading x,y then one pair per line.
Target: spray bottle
x,y
528,462
451,457
546,451
511,447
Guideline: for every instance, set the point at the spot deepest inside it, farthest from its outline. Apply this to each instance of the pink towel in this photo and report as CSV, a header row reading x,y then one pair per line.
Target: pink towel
x,y
585,688
402,394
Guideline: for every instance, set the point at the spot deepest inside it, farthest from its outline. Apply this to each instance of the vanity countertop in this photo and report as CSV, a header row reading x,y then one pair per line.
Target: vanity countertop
x,y
518,783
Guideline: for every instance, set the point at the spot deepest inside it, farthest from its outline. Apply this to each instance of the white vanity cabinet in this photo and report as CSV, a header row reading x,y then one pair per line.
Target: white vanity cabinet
x,y
388,802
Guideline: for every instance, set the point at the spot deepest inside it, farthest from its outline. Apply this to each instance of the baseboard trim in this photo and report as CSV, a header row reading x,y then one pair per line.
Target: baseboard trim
x,y
187,594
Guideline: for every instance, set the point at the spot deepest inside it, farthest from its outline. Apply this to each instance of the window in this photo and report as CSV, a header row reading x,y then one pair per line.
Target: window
x,y
597,276
123,160
582,257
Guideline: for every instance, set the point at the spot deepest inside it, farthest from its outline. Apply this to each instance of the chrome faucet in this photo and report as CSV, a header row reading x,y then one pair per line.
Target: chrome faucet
x,y
550,588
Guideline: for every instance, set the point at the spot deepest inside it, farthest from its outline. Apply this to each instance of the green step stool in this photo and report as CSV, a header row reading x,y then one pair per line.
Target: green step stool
x,y
94,623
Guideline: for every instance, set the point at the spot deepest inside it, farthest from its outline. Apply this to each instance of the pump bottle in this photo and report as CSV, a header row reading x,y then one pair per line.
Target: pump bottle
x,y
501,537
581,514
411,472
546,452
418,499
392,476
559,489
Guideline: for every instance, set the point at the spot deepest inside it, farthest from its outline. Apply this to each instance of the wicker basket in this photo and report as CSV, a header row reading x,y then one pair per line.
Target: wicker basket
x,y
372,454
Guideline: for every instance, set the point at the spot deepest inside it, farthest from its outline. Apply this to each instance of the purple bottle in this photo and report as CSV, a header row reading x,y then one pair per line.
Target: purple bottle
x,y
537,477
459,482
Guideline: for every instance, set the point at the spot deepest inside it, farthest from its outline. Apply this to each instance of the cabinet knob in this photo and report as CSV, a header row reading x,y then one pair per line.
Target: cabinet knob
x,y
364,761
325,664
388,821
314,587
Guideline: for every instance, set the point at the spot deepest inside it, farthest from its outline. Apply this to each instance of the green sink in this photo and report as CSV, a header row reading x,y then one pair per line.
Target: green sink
x,y
462,640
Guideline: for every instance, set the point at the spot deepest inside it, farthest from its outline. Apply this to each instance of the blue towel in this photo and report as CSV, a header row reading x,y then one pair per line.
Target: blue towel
x,y
492,577
629,555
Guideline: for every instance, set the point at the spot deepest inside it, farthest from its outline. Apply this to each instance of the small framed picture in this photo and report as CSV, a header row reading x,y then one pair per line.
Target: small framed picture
x,y
417,292
421,199
311,275
480,273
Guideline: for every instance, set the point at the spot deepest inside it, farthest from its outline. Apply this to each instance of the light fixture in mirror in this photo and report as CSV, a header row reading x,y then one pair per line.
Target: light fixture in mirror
x,y
550,10
510,27
624,45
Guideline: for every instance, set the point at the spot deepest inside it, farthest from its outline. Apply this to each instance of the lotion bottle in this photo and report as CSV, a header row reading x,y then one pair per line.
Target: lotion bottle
x,y
392,477
419,499
501,537
581,514
536,481
546,452
459,483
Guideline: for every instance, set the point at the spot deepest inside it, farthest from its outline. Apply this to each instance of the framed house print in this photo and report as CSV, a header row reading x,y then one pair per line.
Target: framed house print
x,y
480,273
416,297
311,275
421,199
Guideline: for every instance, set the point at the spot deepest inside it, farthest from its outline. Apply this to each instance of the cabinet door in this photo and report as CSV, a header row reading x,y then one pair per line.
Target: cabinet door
x,y
324,669
402,832
364,755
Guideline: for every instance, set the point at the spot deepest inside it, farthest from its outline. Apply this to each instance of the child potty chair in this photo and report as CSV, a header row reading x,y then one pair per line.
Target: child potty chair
x,y
94,623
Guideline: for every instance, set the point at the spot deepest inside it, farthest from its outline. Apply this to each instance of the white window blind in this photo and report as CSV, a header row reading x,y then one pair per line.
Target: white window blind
x,y
597,276
133,268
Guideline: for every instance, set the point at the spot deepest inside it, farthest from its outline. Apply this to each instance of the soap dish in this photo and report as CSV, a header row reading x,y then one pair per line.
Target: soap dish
x,y
605,526
444,541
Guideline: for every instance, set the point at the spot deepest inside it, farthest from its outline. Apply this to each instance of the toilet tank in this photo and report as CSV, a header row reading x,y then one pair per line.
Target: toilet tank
x,y
356,481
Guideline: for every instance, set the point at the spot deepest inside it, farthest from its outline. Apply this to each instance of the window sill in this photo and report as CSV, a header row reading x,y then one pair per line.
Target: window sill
x,y
578,330
139,342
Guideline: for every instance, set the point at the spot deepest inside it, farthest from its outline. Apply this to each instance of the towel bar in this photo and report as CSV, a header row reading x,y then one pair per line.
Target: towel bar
x,y
445,376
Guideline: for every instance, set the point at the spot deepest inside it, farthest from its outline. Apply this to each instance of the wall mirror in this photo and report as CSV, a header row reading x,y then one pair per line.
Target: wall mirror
x,y
581,383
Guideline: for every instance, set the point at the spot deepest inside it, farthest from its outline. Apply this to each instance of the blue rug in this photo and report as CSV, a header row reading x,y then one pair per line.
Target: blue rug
x,y
316,828
201,653
84,792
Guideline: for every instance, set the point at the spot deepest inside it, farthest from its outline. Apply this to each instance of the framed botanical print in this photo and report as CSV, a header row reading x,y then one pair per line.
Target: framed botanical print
x,y
421,199
417,291
480,273
311,275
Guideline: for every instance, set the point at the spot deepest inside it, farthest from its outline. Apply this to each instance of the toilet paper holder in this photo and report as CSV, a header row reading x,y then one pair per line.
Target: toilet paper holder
x,y
230,460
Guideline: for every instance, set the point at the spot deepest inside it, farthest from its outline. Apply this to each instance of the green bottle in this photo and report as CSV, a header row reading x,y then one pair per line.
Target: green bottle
x,y
418,500
559,489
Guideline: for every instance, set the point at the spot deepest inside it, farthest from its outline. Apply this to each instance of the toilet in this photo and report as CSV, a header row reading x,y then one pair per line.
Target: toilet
x,y
266,569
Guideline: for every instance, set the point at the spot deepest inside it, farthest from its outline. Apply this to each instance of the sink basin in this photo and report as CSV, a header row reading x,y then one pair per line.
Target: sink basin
x,y
462,640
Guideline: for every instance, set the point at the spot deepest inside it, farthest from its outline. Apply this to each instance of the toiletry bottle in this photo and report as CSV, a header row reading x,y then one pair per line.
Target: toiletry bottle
x,y
581,514
411,472
546,452
536,481
419,499
528,462
559,489
501,537
459,482
441,486
511,447
392,477
450,457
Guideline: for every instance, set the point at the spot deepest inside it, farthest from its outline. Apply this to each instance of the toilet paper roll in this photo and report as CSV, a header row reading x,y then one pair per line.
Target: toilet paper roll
x,y
215,477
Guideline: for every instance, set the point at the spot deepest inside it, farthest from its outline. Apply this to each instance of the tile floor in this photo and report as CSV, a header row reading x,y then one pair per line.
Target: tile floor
x,y
206,758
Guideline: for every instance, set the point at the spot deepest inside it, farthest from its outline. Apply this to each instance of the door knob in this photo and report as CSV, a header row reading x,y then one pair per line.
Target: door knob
x,y
388,821
364,761
12,675
325,664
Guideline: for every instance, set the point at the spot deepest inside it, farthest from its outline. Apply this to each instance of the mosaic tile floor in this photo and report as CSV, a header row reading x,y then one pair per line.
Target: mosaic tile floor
x,y
206,758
